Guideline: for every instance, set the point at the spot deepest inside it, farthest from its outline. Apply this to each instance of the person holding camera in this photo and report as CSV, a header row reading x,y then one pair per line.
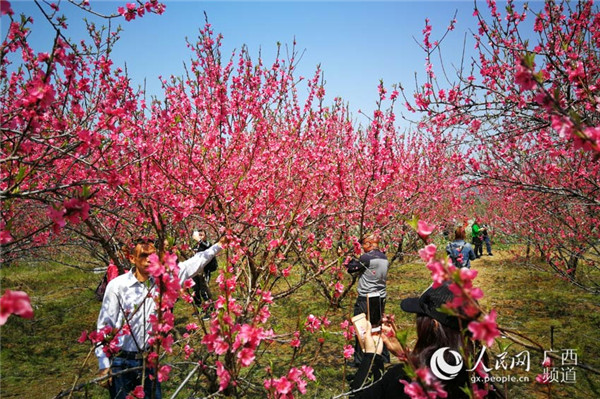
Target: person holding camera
x,y
485,235
372,267
435,330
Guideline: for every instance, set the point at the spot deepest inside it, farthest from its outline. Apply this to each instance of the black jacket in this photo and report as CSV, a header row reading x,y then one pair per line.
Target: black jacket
x,y
388,385
212,265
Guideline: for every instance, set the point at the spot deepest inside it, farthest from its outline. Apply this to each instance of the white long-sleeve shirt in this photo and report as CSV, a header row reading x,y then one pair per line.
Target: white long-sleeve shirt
x,y
129,301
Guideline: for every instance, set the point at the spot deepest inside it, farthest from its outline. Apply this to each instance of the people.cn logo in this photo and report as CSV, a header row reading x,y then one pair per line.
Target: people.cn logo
x,y
441,369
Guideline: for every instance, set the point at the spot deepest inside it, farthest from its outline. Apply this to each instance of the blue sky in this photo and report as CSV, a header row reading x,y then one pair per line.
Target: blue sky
x,y
356,43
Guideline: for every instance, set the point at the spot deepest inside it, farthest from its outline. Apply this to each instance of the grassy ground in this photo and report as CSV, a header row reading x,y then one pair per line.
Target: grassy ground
x,y
41,357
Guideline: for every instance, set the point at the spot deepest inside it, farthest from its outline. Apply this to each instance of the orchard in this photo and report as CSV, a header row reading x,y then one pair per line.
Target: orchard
x,y
249,151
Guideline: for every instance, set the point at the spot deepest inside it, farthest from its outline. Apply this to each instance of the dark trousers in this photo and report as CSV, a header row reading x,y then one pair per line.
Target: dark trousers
x,y
201,291
123,384
478,244
361,307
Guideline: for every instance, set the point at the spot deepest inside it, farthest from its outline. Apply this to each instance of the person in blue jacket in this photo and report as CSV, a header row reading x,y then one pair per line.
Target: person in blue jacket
x,y
460,251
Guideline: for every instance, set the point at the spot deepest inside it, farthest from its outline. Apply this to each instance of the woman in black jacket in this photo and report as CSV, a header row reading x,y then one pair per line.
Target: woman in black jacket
x,y
435,330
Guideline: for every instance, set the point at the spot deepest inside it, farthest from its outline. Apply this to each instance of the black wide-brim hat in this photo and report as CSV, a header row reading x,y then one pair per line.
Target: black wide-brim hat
x,y
429,302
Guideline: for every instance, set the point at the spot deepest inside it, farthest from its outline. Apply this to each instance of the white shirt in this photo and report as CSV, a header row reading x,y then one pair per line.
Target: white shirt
x,y
125,294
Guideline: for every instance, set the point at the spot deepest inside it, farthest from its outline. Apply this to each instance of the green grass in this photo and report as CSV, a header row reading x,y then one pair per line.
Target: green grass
x,y
41,357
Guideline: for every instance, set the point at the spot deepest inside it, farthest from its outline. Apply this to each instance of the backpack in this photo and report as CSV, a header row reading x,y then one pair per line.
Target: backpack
x,y
455,253
213,264
101,288
111,272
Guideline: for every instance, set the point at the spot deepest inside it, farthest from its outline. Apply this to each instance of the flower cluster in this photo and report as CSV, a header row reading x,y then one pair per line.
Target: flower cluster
x,y
107,337
313,323
17,303
425,386
283,387
131,10
464,303
75,210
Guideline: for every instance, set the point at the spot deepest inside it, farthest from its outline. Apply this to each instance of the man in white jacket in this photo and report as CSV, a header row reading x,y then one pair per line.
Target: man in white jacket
x,y
129,303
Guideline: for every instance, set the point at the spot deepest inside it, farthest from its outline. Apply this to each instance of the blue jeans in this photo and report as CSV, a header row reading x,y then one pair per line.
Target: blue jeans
x,y
488,244
123,384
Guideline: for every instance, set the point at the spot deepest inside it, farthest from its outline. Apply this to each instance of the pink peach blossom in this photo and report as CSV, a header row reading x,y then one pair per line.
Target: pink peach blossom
x,y
17,303
487,330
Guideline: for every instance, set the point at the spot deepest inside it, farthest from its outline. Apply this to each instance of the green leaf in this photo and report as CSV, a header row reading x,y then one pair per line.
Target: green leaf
x,y
85,191
467,391
503,345
402,337
21,174
557,94
413,222
409,372
170,241
528,59
575,117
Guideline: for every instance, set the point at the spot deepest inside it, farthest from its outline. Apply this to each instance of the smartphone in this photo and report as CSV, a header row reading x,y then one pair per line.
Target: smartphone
x,y
360,327
374,311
